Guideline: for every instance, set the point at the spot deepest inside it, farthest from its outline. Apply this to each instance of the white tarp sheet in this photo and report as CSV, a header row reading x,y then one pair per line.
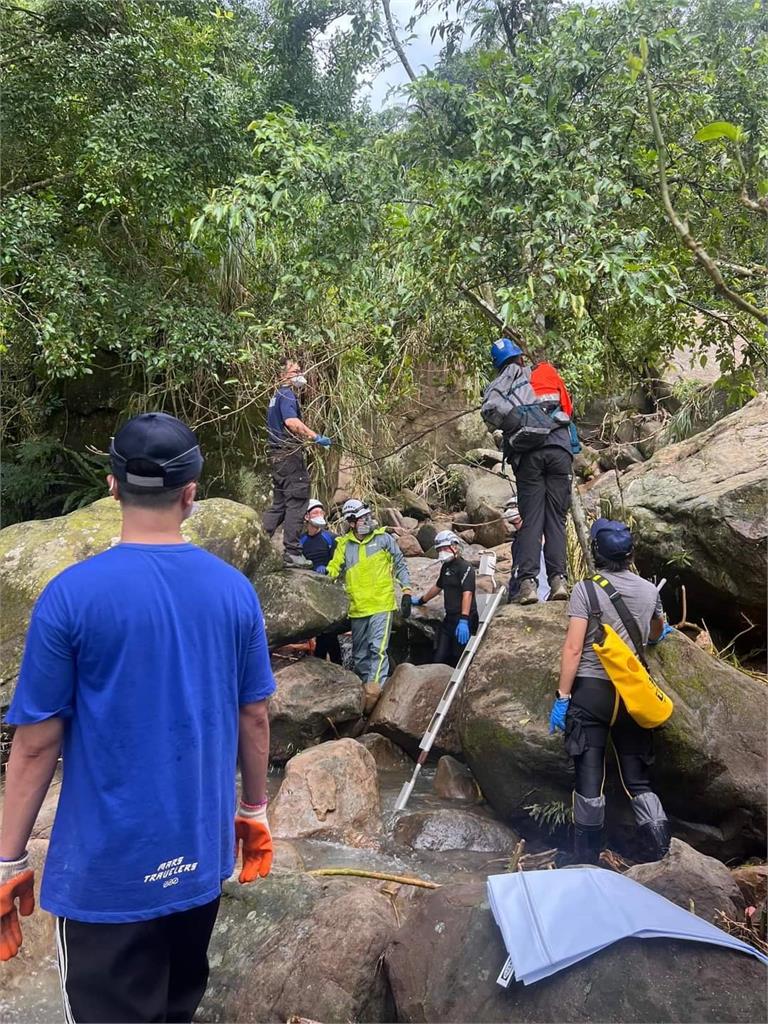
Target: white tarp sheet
x,y
552,919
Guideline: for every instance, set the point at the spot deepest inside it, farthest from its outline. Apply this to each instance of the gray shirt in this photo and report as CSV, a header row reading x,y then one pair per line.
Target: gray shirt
x,y
642,600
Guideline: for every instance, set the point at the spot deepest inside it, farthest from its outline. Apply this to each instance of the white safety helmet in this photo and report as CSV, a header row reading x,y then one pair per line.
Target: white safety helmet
x,y
446,539
314,503
352,507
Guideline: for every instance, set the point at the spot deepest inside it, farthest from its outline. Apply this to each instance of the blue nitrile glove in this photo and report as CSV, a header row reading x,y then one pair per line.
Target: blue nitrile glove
x,y
322,570
415,599
323,440
558,713
575,442
462,632
665,632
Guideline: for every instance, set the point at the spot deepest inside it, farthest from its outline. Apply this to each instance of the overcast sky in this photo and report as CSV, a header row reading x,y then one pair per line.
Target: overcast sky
x,y
421,52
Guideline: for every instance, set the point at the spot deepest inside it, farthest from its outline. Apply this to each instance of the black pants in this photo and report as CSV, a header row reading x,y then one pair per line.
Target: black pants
x,y
328,644
543,479
447,647
135,973
290,495
587,729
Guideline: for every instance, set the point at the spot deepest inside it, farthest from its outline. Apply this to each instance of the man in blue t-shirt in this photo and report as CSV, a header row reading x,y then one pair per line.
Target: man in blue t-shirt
x,y
290,480
147,667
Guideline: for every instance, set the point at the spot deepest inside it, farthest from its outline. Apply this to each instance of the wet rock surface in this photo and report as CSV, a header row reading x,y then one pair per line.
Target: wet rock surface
x,y
329,788
407,704
386,754
449,829
313,699
454,781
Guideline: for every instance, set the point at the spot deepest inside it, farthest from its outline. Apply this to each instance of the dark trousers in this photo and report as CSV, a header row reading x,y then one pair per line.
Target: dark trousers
x,y
135,973
588,727
290,495
328,644
447,648
543,479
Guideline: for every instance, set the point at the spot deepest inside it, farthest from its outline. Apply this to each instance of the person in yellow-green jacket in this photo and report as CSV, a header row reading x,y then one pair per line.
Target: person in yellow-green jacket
x,y
369,561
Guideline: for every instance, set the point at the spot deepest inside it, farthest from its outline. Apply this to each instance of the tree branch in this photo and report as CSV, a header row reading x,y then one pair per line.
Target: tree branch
x,y
398,46
702,257
491,315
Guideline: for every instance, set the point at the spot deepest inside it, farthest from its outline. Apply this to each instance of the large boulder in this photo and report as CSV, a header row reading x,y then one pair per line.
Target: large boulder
x,y
407,704
32,553
292,946
485,494
329,789
299,604
313,699
454,829
632,981
693,881
710,756
700,511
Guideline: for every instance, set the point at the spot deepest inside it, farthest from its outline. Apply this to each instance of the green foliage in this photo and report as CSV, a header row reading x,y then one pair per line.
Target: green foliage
x,y
191,190
550,816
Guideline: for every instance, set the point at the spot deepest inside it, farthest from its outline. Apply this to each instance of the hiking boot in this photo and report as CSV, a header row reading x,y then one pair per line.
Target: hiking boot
x,y
529,592
558,589
655,838
296,562
587,844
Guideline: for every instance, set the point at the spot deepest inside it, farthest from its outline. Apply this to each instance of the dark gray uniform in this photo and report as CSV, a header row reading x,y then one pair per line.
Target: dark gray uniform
x,y
290,478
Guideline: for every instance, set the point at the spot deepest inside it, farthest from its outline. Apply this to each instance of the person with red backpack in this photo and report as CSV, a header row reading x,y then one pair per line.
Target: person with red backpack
x,y
533,410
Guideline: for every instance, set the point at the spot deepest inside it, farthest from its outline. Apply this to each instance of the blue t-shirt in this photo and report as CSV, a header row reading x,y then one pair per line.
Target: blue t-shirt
x,y
284,405
146,651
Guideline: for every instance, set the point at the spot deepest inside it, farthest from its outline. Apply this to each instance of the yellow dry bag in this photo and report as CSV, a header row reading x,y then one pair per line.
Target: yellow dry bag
x,y
644,700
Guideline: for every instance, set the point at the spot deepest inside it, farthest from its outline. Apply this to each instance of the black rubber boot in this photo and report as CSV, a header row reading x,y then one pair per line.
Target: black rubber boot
x,y
587,843
655,838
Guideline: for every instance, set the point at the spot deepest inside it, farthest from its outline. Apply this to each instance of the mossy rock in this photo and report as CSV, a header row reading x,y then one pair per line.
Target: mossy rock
x,y
710,756
32,553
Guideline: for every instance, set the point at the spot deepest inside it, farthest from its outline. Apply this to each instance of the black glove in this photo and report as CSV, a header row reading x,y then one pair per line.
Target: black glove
x,y
405,606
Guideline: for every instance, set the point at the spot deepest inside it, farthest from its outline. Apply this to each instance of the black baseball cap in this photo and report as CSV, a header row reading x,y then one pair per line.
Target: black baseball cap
x,y
155,451
612,539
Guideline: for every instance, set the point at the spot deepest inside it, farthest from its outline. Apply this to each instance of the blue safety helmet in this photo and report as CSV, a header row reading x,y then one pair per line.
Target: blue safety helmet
x,y
504,349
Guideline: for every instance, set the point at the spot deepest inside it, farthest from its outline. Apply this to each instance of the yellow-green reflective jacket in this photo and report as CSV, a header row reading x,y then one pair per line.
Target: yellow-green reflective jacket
x,y
369,568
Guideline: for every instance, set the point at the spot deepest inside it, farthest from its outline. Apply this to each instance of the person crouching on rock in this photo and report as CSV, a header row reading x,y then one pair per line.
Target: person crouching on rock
x,y
318,544
588,707
457,582
369,561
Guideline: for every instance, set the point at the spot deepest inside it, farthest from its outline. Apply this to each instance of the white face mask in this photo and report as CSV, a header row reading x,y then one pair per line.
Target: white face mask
x,y
445,555
363,526
193,508
298,382
317,521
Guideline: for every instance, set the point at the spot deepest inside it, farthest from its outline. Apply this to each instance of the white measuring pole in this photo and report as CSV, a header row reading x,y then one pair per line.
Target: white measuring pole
x,y
454,684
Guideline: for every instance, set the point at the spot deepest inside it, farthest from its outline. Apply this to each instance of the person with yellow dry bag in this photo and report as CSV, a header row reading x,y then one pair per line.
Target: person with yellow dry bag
x,y
605,690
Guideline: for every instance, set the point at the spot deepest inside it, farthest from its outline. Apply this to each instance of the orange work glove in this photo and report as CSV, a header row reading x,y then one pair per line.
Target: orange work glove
x,y
252,827
17,882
